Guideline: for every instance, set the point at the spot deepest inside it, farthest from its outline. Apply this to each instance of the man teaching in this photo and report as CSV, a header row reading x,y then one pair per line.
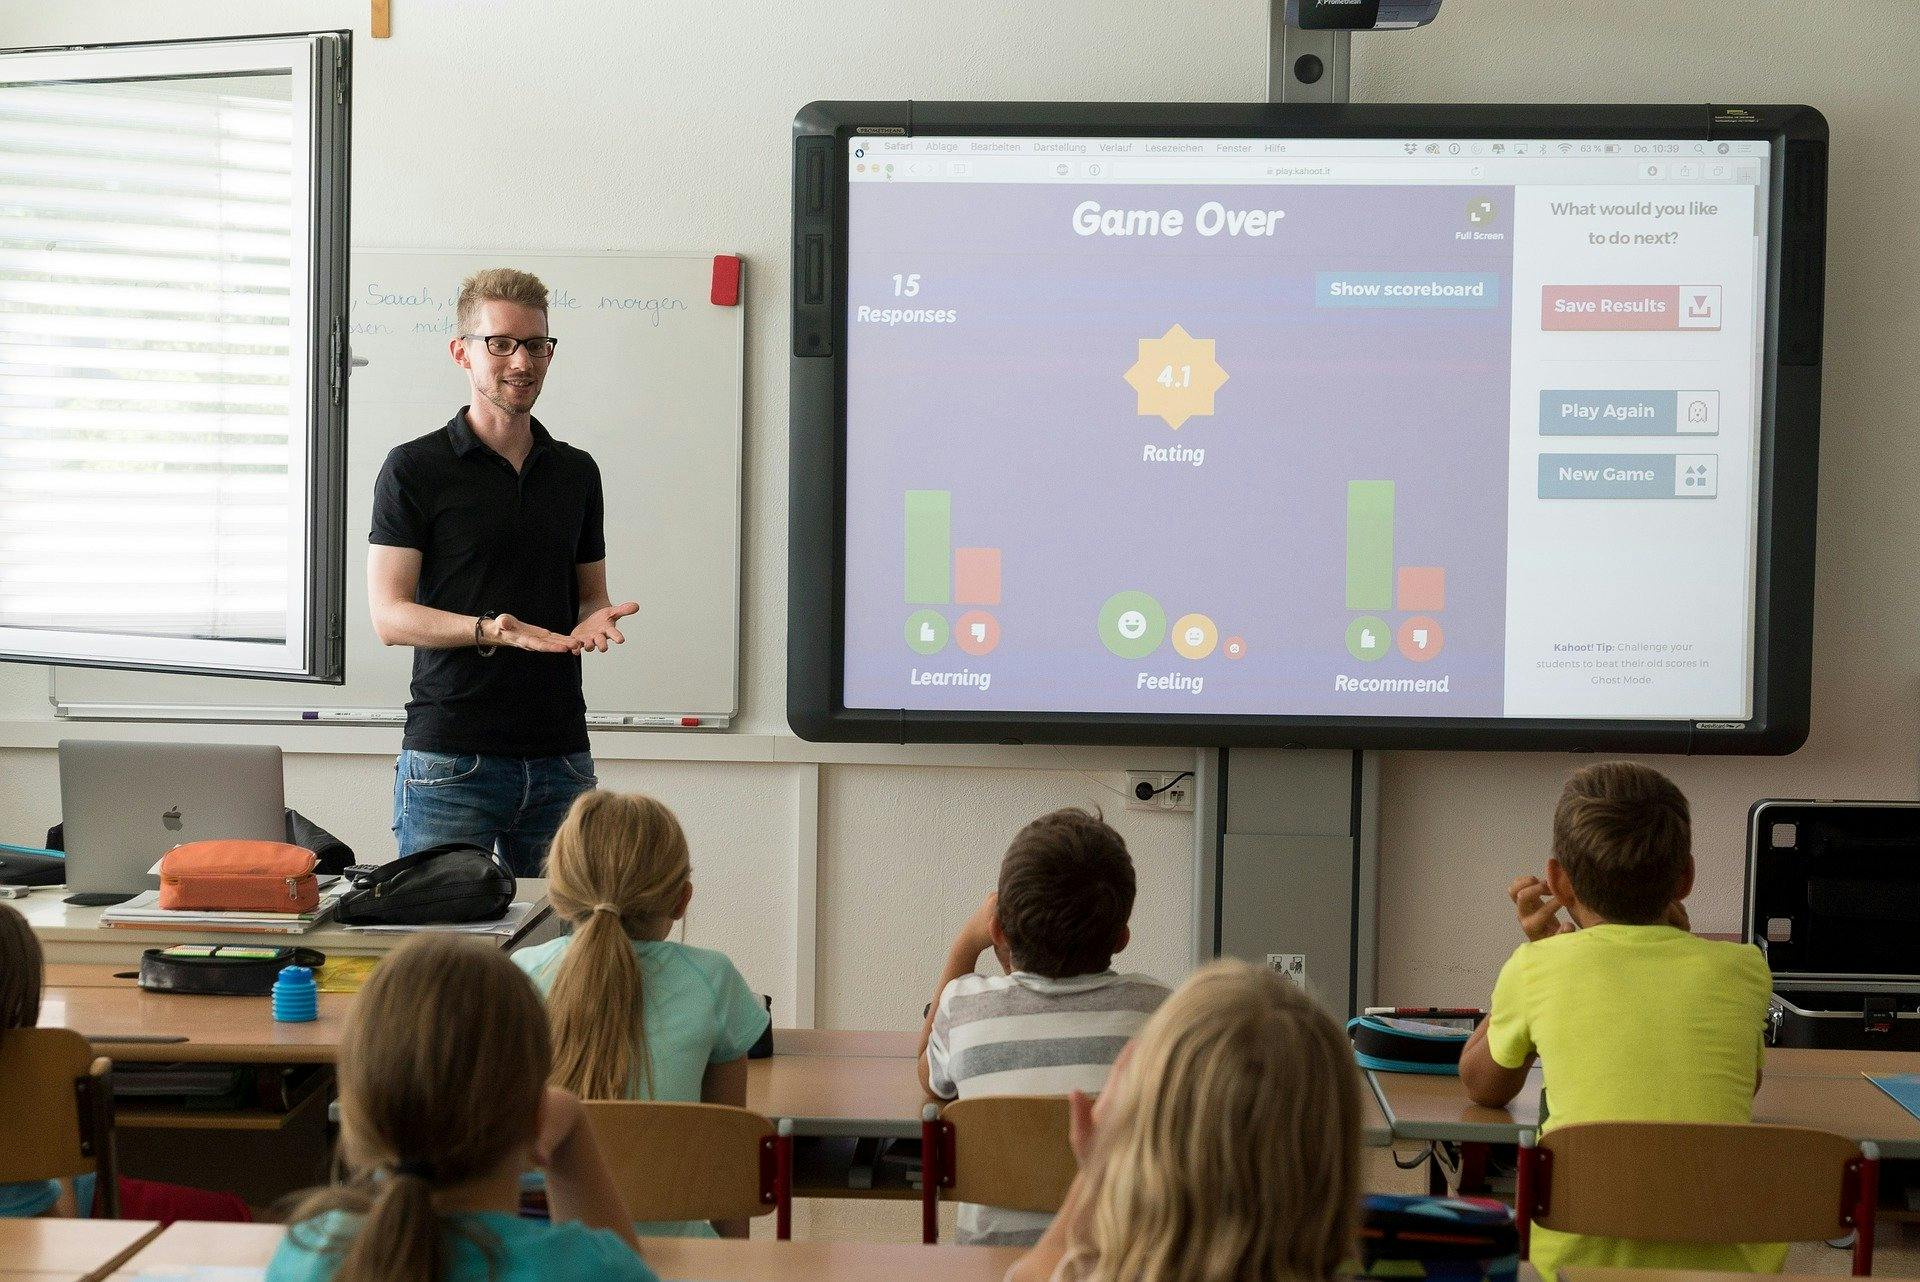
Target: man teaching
x,y
488,557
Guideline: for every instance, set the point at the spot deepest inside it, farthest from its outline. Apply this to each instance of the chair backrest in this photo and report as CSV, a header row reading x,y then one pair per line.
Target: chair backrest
x,y
1697,1182
686,1161
59,1107
1010,1151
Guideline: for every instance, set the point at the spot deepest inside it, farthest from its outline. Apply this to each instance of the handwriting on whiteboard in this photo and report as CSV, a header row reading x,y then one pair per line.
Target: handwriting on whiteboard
x,y
391,307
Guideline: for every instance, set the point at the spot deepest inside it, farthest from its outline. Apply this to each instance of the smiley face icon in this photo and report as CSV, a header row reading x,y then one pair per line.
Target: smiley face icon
x,y
1132,625
1194,636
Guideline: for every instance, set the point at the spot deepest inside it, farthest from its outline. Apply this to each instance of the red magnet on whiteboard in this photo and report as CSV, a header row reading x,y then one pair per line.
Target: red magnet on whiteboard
x,y
726,280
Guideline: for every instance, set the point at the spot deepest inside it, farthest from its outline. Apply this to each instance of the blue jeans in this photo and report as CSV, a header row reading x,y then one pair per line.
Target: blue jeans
x,y
509,804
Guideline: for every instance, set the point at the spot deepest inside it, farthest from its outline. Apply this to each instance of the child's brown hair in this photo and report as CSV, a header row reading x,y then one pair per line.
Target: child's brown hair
x,y
443,1069
1624,834
20,971
1066,892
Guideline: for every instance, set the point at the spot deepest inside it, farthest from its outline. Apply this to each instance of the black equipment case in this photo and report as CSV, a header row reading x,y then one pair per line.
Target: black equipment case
x,y
1833,900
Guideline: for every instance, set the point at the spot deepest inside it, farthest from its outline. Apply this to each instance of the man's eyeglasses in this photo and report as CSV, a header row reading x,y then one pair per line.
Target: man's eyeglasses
x,y
506,345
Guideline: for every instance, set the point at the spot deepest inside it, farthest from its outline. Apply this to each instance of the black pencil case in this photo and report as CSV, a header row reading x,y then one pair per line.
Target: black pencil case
x,y
221,970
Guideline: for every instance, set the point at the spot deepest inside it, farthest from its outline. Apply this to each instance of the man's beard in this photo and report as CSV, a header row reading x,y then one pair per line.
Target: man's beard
x,y
507,397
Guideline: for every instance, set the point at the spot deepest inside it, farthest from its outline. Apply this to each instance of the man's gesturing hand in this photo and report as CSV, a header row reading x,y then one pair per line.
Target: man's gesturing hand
x,y
597,631
504,629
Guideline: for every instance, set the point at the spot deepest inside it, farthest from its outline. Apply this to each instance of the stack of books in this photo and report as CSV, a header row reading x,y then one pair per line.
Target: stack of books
x,y
144,912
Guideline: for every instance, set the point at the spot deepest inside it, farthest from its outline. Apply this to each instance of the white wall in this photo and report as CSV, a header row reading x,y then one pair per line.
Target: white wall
x,y
607,124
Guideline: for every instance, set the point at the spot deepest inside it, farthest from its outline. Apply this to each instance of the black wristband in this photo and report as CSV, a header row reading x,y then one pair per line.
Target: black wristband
x,y
478,622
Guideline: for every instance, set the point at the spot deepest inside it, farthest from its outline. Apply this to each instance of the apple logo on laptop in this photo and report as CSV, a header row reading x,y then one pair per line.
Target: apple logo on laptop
x,y
171,819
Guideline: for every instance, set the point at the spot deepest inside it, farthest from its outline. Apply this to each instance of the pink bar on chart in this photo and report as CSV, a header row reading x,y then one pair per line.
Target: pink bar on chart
x,y
1602,307
976,576
1423,588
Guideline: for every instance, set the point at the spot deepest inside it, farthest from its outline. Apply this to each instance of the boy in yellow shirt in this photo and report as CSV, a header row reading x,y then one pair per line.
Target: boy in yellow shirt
x,y
1633,1018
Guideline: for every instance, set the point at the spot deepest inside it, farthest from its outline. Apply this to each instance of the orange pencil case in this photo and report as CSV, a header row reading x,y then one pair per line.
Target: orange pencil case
x,y
239,876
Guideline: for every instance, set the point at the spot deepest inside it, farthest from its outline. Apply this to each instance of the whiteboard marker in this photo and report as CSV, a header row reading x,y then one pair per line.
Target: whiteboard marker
x,y
645,722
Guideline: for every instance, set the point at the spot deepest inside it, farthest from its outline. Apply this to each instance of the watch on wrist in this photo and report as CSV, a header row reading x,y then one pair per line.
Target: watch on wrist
x,y
479,643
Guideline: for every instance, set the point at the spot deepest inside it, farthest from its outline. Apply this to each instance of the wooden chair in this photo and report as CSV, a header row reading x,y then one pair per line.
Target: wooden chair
x,y
59,1113
696,1161
1009,1151
1709,1183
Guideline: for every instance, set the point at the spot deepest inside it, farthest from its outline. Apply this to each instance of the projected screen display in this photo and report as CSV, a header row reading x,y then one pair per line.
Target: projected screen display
x,y
1318,427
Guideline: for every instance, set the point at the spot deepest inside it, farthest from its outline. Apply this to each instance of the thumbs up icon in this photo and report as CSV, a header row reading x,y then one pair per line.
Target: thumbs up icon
x,y
926,631
1367,640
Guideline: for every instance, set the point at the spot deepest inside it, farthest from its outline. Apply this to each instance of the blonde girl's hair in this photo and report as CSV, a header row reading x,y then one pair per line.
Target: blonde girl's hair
x,y
20,971
615,872
443,1067
1229,1145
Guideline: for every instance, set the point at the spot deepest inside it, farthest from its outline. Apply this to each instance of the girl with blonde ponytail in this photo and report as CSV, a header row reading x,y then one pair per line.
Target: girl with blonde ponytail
x,y
444,1102
1225,1148
634,1014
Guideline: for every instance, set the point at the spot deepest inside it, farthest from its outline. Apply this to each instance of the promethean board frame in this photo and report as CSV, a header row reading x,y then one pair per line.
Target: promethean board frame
x,y
1786,446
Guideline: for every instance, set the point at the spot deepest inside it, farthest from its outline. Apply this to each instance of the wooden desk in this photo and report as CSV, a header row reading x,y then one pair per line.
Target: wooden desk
x,y
866,1085
867,1096
70,934
847,1044
1820,1089
107,1008
1588,1273
761,1260
1787,1062
70,1248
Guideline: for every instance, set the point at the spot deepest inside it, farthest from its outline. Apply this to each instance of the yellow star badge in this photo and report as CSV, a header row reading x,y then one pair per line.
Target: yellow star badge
x,y
1176,376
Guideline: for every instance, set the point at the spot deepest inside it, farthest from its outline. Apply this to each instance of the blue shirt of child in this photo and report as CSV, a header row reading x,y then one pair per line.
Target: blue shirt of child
x,y
696,1007
523,1251
698,1011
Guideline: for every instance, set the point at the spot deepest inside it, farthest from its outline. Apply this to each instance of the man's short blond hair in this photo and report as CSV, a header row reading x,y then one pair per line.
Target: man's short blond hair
x,y
498,285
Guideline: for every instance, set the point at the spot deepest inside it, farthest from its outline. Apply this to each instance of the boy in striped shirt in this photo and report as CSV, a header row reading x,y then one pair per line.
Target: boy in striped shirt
x,y
1057,1020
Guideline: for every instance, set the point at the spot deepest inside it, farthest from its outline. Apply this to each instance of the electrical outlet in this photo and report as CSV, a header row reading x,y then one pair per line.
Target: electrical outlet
x,y
1292,965
1165,790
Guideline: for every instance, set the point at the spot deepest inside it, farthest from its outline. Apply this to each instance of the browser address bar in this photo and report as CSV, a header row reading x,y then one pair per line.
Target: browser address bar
x,y
1152,170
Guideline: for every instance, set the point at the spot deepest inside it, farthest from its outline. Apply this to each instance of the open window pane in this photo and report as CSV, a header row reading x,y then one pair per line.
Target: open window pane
x,y
172,251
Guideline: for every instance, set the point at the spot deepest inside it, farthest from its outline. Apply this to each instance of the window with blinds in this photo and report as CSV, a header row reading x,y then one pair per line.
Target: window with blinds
x,y
170,385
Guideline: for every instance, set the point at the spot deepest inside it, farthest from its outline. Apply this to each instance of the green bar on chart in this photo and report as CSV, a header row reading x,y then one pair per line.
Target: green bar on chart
x,y
929,547
1369,545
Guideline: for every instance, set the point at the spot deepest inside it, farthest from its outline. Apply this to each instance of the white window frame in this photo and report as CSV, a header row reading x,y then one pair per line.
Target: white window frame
x,y
315,638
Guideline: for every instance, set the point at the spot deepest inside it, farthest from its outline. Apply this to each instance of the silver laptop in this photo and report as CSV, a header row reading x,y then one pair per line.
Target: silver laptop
x,y
126,804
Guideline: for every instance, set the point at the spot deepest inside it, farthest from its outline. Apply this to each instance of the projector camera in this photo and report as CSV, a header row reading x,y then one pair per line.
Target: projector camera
x,y
1360,15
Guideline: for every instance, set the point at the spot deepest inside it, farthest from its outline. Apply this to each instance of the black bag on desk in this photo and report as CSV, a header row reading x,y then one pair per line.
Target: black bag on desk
x,y
223,970
453,882
1833,900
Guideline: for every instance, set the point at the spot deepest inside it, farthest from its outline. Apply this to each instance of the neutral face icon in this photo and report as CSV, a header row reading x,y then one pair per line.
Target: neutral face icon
x,y
1131,624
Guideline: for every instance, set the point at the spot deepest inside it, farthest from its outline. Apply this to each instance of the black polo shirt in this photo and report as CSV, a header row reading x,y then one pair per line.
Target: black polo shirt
x,y
494,539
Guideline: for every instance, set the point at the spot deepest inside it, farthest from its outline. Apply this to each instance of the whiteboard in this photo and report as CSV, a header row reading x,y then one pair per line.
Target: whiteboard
x,y
648,378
